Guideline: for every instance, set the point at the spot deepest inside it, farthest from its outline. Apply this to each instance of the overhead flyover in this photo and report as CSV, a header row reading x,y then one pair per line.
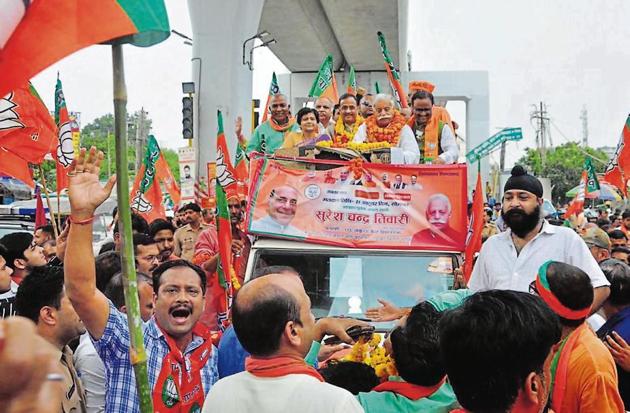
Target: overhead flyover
x,y
307,30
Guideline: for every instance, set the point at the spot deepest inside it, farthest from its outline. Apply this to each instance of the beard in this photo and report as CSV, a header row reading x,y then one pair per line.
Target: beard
x,y
520,222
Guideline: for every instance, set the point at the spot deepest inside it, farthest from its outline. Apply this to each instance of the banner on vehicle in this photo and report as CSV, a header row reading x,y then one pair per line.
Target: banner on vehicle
x,y
357,204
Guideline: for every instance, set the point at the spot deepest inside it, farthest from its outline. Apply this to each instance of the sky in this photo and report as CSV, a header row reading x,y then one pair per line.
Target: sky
x,y
569,54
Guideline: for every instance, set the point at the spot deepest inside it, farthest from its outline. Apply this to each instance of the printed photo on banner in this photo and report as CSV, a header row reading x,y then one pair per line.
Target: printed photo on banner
x,y
378,206
187,173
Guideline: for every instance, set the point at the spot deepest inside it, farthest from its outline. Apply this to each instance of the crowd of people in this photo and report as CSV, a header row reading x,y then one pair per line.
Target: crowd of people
x,y
543,324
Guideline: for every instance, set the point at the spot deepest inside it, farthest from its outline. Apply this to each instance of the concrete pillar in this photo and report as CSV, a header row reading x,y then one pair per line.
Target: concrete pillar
x,y
221,80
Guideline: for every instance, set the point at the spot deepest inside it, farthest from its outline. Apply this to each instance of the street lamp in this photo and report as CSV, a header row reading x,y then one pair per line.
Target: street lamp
x,y
259,36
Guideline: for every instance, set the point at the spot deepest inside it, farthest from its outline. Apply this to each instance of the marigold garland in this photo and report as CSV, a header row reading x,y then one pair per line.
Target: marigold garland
x,y
390,133
341,136
371,353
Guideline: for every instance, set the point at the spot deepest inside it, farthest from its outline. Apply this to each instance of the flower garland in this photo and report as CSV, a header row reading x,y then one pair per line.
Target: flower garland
x,y
341,136
390,133
369,351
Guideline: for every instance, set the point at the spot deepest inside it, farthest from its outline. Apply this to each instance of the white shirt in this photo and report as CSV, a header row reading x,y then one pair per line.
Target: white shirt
x,y
499,267
91,371
450,150
407,143
246,393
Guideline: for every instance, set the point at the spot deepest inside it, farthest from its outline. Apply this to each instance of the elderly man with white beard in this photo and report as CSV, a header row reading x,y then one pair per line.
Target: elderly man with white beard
x,y
388,125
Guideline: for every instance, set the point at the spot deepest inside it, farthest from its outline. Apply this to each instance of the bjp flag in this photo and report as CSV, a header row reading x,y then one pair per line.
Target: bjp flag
x,y
325,84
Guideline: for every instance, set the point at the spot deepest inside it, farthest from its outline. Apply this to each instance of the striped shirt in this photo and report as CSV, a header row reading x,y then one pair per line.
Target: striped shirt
x,y
7,301
113,348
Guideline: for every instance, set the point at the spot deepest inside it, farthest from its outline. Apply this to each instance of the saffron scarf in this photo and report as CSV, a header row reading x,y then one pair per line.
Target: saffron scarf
x,y
409,390
432,133
281,128
179,387
279,366
343,136
560,367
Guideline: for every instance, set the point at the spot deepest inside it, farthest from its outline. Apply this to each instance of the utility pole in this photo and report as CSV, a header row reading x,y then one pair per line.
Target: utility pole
x,y
141,137
540,115
584,118
502,160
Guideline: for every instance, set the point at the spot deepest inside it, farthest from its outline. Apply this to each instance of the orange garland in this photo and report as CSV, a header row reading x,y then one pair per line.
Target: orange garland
x,y
341,136
390,133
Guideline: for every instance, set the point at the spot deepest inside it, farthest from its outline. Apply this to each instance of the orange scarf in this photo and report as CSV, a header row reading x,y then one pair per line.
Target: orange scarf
x,y
279,366
560,367
409,390
390,133
432,133
281,128
179,387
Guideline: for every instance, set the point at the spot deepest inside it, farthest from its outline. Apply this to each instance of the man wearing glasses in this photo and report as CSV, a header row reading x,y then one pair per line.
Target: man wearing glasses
x,y
432,128
281,210
366,106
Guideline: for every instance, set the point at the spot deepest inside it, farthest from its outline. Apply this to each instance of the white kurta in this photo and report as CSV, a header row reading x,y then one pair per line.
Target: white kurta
x,y
246,393
407,143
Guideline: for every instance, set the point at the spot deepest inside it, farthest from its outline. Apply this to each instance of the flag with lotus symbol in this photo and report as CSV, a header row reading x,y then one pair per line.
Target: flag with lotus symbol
x,y
274,89
146,195
325,84
223,286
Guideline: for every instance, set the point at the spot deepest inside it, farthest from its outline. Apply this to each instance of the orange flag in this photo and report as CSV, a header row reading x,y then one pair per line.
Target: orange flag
x,y
164,174
475,228
618,169
26,127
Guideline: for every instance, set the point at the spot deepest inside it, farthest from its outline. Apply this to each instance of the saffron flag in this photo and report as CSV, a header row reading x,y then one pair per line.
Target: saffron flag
x,y
241,171
26,127
52,29
274,89
577,204
223,289
392,73
166,177
618,169
325,84
13,165
352,82
475,228
64,154
146,195
40,213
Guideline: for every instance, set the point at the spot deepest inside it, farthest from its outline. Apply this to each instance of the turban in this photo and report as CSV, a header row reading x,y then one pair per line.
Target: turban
x,y
521,180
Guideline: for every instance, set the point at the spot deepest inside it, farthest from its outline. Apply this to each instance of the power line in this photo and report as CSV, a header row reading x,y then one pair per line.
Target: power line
x,y
605,162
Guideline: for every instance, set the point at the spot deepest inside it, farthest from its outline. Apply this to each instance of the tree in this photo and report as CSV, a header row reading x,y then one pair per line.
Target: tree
x,y
100,133
563,166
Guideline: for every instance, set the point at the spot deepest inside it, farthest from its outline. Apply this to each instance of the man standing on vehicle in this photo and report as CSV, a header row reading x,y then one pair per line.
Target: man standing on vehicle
x,y
269,135
511,259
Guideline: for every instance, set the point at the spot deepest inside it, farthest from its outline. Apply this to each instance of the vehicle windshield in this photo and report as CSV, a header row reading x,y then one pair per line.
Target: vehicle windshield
x,y
348,283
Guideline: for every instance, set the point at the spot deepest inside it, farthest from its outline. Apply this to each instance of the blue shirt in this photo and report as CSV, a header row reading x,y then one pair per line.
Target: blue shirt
x,y
232,355
113,348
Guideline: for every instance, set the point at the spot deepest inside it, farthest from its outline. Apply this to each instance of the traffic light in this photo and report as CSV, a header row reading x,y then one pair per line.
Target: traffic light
x,y
187,117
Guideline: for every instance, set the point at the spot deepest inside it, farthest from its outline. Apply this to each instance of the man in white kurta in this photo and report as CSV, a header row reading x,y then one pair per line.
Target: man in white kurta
x,y
384,112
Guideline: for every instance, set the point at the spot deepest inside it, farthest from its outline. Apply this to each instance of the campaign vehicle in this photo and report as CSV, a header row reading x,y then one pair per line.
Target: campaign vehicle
x,y
357,233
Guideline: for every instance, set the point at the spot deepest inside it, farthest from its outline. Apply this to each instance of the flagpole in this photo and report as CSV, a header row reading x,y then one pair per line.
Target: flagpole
x,y
136,350
58,210
52,214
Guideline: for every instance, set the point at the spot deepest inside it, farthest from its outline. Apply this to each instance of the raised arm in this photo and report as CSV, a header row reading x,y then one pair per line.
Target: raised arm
x,y
86,194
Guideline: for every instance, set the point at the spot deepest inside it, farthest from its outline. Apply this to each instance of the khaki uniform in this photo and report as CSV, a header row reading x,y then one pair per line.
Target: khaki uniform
x,y
73,400
185,239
